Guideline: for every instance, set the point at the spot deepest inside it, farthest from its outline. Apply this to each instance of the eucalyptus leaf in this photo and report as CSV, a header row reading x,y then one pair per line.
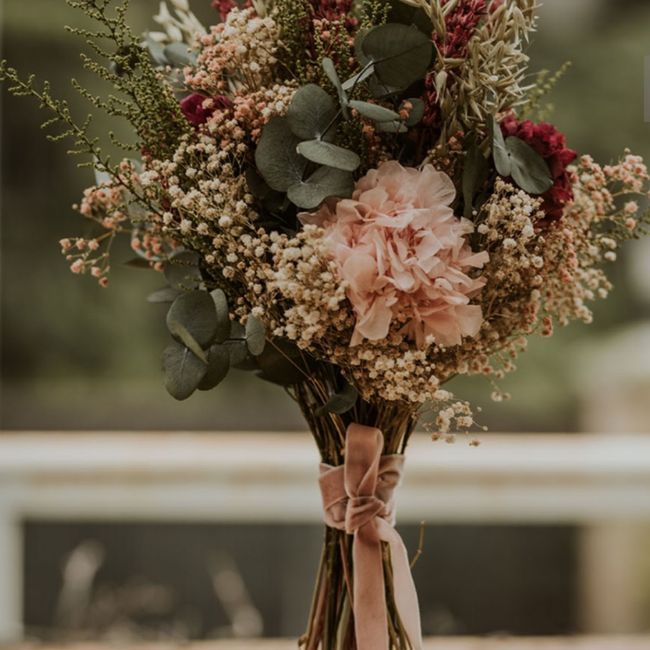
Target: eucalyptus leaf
x,y
223,315
500,153
179,55
276,157
182,334
238,352
166,294
182,270
374,111
475,172
326,153
417,112
218,367
196,312
529,169
340,402
281,363
311,111
401,53
156,51
183,371
255,336
367,71
392,127
407,15
138,263
323,183
330,71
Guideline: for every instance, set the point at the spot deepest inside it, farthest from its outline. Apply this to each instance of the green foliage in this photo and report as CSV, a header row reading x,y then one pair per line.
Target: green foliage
x,y
400,54
323,183
183,371
544,84
255,336
475,173
340,402
218,365
326,153
292,16
311,112
137,93
196,312
515,158
276,157
374,111
223,317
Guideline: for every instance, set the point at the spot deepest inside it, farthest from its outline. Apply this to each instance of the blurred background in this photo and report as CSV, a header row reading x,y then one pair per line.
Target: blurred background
x,y
79,358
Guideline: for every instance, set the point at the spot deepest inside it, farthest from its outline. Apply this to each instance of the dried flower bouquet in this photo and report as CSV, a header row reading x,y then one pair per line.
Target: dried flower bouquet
x,y
352,199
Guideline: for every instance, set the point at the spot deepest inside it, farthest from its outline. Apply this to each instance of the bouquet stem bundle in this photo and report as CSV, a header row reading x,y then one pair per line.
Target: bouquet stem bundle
x,y
331,624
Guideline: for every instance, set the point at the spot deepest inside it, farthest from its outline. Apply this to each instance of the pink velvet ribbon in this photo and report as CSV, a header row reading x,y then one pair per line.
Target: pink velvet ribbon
x,y
358,497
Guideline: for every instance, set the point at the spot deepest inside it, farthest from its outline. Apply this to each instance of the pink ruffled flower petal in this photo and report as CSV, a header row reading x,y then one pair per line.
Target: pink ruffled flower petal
x,y
405,257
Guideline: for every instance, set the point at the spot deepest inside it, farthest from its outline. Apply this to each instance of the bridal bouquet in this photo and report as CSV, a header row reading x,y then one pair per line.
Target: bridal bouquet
x,y
356,200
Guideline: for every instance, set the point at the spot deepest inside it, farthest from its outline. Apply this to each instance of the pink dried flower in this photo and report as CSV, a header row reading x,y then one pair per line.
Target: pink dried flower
x,y
404,255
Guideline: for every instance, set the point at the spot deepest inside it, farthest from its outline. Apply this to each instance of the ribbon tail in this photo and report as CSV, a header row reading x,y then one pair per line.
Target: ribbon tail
x,y
369,600
406,598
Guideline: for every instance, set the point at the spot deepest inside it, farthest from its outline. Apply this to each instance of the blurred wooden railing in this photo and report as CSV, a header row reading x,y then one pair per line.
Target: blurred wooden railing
x,y
271,477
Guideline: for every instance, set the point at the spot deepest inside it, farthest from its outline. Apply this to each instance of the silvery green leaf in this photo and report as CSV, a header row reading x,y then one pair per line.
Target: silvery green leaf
x,y
223,316
325,153
281,363
529,169
401,54
179,55
499,151
360,77
374,111
255,336
340,402
474,174
392,127
183,371
182,270
323,183
330,71
417,112
166,294
276,157
195,311
311,111
182,334
218,367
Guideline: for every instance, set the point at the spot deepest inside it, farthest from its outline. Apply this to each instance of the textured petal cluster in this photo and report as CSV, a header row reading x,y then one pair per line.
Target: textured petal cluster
x,y
404,256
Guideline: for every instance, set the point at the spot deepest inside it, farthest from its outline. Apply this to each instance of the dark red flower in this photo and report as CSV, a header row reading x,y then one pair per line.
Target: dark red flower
x,y
195,111
551,145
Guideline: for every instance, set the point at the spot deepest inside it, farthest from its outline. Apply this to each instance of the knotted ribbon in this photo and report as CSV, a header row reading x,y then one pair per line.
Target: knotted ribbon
x,y
358,498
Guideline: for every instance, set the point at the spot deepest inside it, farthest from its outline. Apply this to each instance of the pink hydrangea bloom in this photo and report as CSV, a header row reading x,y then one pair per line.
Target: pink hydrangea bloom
x,y
405,256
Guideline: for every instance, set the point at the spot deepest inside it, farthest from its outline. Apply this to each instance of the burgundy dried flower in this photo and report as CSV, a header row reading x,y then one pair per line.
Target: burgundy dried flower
x,y
198,108
551,145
